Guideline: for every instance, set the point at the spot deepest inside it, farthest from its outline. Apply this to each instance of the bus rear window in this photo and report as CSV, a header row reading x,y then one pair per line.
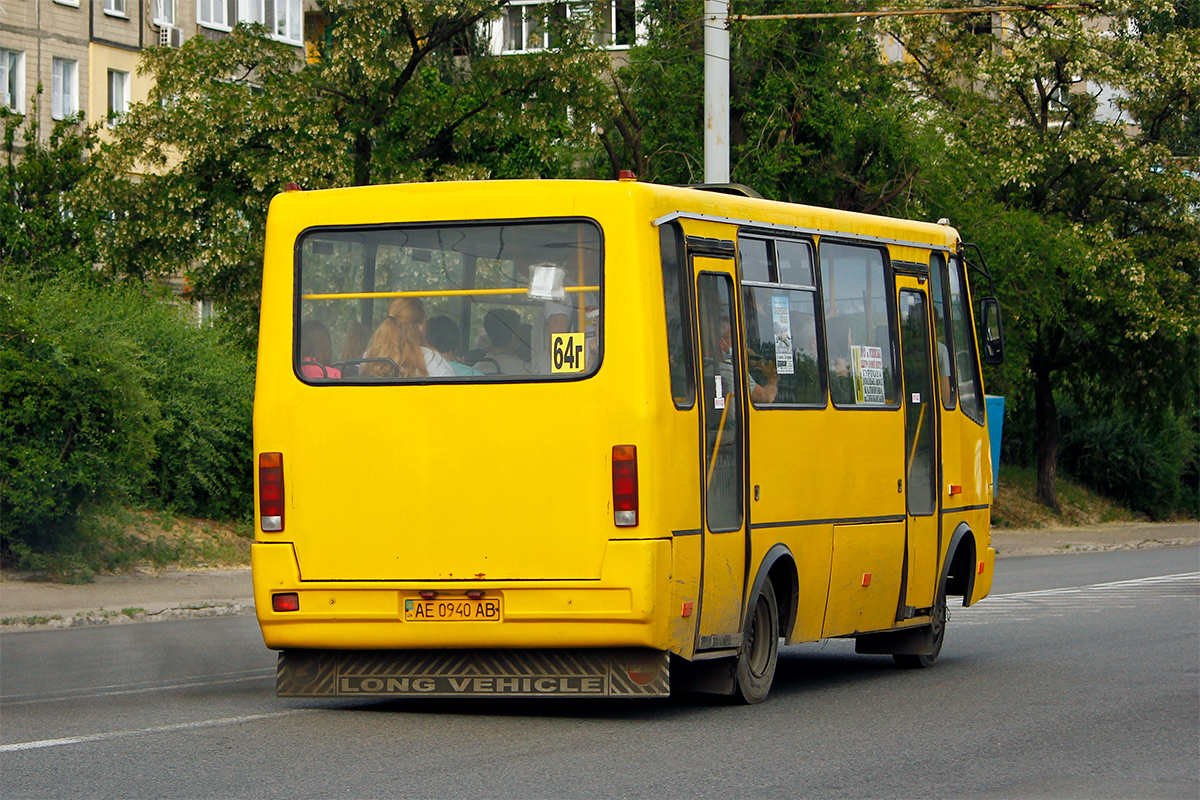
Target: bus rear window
x,y
460,302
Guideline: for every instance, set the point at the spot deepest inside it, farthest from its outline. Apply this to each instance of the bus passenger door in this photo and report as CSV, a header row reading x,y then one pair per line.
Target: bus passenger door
x,y
723,478
921,461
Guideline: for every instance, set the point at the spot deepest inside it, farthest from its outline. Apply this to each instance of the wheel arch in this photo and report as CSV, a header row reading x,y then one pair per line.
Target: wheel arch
x,y
780,566
958,570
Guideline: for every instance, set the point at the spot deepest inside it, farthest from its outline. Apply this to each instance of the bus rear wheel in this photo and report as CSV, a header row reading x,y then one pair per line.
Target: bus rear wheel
x,y
760,648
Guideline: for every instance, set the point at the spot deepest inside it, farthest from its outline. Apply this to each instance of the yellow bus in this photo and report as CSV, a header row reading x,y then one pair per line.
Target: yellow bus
x,y
608,438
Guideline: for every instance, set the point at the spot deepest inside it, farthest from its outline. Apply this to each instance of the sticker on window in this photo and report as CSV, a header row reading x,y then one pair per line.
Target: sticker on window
x,y
782,320
868,374
568,353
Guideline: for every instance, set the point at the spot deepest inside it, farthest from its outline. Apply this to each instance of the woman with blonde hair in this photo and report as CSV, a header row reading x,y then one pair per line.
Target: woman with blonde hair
x,y
401,338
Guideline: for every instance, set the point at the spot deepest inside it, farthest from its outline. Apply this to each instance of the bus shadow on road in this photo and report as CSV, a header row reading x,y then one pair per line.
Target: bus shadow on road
x,y
801,669
817,666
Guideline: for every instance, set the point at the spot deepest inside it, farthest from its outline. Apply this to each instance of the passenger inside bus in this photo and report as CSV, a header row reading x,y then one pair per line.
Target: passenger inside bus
x,y
759,393
563,316
502,325
401,338
316,351
355,344
444,337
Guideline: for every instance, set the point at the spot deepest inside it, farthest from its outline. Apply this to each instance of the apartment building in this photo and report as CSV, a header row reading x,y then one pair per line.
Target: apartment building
x,y
84,53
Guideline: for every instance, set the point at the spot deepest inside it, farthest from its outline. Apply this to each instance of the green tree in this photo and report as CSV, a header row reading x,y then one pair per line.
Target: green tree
x,y
45,227
1058,130
401,91
813,116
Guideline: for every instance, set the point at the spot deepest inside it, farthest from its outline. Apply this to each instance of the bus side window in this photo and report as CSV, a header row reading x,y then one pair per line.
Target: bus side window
x,y
966,361
675,296
781,322
859,326
941,328
755,258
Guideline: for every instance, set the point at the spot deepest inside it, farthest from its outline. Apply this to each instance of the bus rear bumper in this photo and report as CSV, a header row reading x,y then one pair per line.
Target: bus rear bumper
x,y
624,608
609,672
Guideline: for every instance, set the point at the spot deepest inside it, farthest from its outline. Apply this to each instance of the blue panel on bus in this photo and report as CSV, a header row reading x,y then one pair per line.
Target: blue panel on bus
x,y
995,424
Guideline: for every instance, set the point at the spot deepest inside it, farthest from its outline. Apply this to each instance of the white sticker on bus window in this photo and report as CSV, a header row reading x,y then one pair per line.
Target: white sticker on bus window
x,y
782,320
916,398
568,352
868,375
719,397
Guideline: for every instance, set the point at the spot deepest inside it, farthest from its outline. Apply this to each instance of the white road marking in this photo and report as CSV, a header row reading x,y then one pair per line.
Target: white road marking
x,y
1023,606
1017,605
120,689
183,726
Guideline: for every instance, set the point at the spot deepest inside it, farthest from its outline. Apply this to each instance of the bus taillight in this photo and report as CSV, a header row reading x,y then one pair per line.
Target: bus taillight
x,y
625,485
270,491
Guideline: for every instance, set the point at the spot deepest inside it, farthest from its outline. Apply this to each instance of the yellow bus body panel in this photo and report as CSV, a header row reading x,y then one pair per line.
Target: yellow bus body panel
x,y
506,487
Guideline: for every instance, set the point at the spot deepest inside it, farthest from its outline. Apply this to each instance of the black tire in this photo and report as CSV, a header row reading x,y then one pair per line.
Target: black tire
x,y
760,648
926,660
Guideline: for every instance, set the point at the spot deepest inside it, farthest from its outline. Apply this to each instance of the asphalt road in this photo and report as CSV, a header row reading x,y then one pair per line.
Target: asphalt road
x,y
1079,677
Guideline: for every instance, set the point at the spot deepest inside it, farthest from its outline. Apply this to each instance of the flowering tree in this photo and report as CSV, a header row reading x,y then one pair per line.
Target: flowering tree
x,y
400,91
1065,141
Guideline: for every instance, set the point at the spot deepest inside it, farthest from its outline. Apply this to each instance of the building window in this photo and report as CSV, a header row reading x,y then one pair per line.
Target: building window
x,y
616,24
115,8
164,12
12,80
64,96
252,12
288,21
212,14
528,25
118,96
527,28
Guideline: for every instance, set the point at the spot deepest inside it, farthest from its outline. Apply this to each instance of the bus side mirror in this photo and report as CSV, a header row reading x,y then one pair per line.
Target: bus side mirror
x,y
993,331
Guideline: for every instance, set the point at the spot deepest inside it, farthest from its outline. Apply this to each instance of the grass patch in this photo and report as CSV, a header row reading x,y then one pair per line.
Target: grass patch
x,y
1016,504
118,539
6,621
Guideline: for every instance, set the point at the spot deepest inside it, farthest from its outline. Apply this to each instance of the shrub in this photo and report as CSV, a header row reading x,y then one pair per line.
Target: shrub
x,y
111,393
75,418
1139,462
204,389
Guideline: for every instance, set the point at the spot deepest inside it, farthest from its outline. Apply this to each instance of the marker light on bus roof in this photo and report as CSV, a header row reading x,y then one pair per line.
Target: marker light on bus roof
x,y
270,491
625,485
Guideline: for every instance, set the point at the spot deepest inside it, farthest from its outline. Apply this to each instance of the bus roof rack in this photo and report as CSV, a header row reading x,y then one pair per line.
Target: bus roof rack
x,y
740,189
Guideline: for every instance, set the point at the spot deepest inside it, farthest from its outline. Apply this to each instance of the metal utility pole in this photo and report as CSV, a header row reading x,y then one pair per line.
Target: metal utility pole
x,y
716,91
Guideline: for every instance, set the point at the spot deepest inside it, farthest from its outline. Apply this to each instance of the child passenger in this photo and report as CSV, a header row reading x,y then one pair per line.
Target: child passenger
x,y
316,351
444,336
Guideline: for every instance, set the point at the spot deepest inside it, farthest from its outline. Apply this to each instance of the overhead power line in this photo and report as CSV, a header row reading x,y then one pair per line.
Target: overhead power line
x,y
916,12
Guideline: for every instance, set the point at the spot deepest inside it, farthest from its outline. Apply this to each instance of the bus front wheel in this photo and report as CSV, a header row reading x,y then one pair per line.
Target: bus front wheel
x,y
760,648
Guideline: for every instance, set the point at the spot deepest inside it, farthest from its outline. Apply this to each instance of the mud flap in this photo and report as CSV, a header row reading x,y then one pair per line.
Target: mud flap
x,y
912,641
626,672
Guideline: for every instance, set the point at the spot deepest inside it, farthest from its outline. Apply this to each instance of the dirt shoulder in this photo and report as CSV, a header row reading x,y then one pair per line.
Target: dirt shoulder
x,y
1093,538
146,595
143,595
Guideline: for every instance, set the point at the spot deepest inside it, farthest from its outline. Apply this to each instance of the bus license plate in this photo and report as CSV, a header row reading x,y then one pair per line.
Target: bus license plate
x,y
485,609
